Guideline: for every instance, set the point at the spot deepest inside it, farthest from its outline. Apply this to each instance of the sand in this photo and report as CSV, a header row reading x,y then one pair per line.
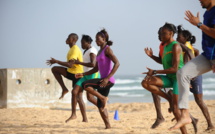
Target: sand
x,y
134,118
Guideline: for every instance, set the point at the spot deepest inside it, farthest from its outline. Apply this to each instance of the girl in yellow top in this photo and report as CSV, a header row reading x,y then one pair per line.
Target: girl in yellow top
x,y
68,69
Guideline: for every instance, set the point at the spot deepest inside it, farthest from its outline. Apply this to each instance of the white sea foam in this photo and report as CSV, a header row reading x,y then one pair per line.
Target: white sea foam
x,y
209,85
126,95
127,81
208,92
128,88
209,80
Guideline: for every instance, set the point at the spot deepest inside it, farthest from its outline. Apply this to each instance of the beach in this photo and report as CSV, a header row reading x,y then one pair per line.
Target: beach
x,y
134,118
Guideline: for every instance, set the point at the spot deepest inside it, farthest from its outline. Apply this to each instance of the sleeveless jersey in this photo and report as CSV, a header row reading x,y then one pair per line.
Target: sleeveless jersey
x,y
104,65
167,58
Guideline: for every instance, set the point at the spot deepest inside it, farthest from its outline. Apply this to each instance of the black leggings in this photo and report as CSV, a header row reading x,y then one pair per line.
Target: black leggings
x,y
94,83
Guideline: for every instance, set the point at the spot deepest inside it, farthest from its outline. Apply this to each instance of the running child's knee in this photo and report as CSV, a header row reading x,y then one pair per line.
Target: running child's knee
x,y
74,92
144,84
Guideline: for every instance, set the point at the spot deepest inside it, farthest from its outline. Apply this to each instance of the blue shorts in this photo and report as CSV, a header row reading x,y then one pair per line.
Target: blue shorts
x,y
196,84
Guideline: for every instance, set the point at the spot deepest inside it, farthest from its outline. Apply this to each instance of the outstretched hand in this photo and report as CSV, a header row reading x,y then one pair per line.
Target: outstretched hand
x,y
51,61
191,18
148,51
149,73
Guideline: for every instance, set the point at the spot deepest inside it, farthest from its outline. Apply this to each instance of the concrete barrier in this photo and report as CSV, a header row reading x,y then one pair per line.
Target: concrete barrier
x,y
32,87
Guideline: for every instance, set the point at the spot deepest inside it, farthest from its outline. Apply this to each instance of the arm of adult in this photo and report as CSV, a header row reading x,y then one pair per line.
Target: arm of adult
x,y
195,20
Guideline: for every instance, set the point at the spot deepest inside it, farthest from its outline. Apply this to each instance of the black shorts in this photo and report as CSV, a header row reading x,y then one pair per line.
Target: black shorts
x,y
94,83
71,76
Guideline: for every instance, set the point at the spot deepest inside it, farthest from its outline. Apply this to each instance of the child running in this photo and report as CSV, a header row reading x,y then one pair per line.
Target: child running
x,y
156,99
89,61
172,60
68,69
104,60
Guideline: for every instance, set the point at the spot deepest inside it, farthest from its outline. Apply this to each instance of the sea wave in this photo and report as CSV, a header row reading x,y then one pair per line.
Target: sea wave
x,y
209,85
208,92
126,95
127,81
208,80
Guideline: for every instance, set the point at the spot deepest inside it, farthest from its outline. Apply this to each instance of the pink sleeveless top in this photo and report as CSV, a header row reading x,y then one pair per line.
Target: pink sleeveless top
x,y
105,65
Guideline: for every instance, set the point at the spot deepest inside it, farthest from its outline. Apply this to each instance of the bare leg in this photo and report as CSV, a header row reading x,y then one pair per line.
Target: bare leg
x,y
184,119
74,101
98,95
82,107
154,87
170,94
57,72
91,98
194,123
176,112
104,115
204,109
160,119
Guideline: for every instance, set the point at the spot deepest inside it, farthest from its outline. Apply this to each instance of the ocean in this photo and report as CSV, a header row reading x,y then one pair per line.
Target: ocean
x,y
128,89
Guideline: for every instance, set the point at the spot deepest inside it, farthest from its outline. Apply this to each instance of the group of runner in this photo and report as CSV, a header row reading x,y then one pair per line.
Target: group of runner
x,y
182,70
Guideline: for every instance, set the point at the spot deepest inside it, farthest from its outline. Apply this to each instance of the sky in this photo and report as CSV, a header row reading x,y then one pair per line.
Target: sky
x,y
32,31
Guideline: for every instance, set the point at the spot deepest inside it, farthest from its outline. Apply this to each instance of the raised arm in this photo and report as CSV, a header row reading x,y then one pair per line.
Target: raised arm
x,y
196,22
149,52
175,63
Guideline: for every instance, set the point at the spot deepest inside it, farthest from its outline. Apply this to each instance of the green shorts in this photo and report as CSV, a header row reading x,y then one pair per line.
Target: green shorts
x,y
87,77
169,83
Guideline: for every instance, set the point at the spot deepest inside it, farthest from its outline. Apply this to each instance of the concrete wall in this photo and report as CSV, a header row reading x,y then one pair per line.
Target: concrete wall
x,y
32,87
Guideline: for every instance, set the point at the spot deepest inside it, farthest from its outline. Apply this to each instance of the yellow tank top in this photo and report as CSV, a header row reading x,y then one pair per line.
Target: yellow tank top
x,y
187,44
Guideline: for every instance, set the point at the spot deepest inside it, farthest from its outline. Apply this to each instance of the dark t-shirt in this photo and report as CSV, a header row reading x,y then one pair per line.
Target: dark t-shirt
x,y
208,43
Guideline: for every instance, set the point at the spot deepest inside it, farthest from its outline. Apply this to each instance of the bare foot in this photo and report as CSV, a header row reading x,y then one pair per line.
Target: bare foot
x,y
210,128
63,93
194,123
157,123
181,123
84,120
104,103
72,117
107,127
170,109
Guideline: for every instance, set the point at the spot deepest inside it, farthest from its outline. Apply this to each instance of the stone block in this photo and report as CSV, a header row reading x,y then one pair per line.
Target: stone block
x,y
32,87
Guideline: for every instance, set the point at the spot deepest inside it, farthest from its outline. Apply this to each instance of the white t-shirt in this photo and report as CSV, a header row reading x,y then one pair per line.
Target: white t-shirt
x,y
86,57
